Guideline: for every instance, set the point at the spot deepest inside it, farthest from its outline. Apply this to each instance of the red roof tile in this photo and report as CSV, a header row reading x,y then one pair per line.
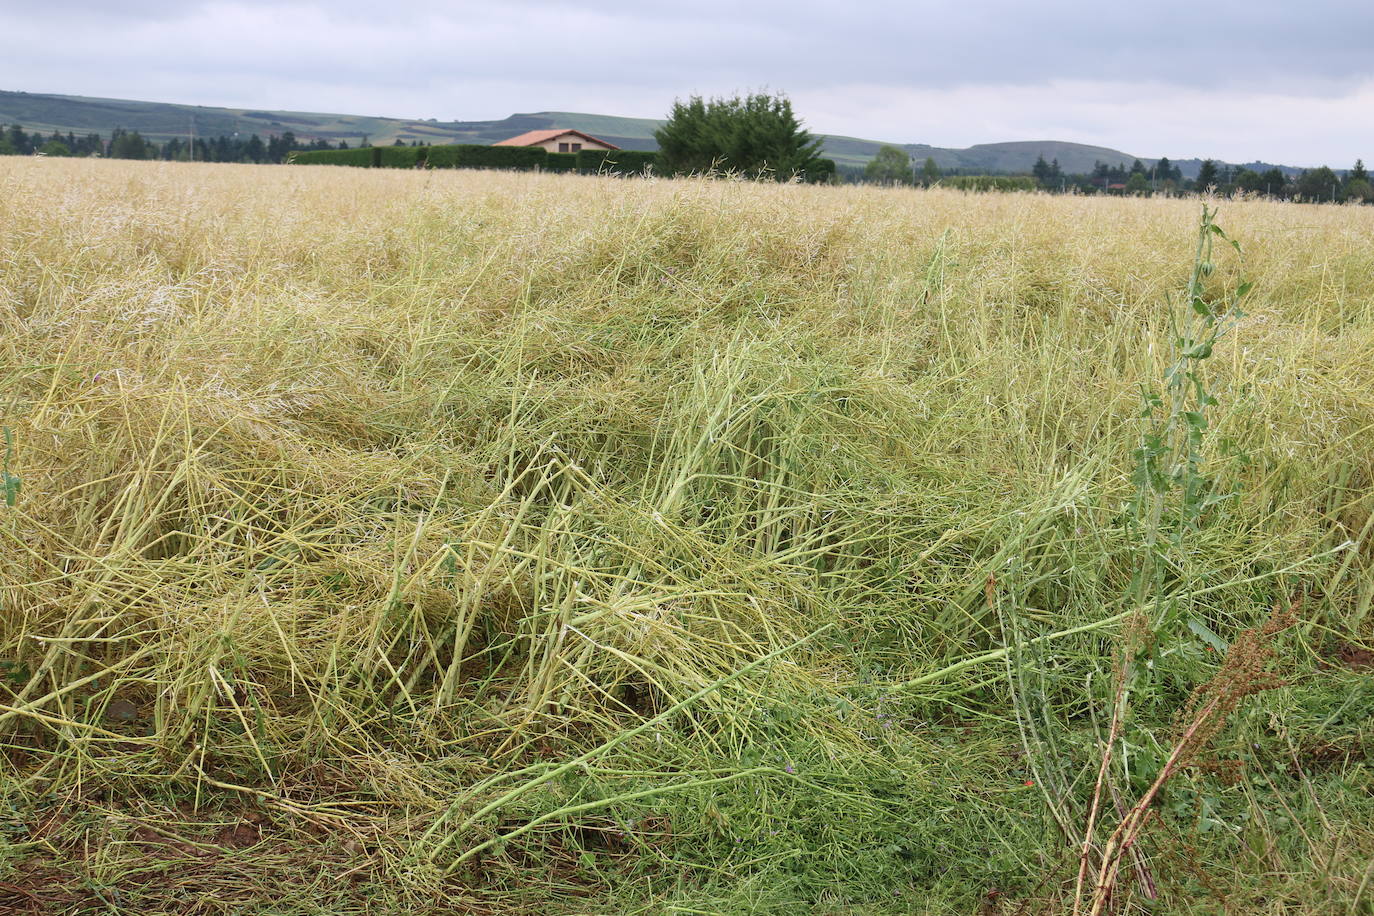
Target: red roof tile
x,y
535,137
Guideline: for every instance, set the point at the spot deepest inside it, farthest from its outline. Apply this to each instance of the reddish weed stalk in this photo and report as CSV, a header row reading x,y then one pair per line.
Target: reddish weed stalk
x,y
1244,672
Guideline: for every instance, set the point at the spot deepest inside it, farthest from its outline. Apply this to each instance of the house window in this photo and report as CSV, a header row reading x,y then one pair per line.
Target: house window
x,y
575,147
563,148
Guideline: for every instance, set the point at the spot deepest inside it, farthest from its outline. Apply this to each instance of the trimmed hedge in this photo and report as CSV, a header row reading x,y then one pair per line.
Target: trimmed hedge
x,y
989,182
560,162
363,157
616,161
474,156
400,157
526,158
463,155
442,157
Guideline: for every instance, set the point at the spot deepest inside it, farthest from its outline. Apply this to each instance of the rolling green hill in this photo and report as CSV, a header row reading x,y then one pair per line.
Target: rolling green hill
x,y
1018,156
164,120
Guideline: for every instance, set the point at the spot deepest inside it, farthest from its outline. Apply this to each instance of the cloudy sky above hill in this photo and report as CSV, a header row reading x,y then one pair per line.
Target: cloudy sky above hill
x,y
1262,79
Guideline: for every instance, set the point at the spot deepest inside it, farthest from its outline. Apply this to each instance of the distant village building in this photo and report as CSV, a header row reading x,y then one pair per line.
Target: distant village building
x,y
558,140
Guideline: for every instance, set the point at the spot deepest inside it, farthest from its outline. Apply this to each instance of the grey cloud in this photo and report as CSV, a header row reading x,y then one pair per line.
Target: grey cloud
x,y
74,14
424,58
713,42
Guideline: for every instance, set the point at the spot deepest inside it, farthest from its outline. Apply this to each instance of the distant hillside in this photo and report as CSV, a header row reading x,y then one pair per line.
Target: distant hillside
x,y
162,121
1019,156
1190,167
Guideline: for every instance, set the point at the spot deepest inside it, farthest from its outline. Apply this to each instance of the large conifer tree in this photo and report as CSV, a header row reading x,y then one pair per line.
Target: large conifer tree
x,y
757,135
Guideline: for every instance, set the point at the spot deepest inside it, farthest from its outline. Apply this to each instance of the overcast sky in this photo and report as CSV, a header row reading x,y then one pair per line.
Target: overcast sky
x,y
1263,79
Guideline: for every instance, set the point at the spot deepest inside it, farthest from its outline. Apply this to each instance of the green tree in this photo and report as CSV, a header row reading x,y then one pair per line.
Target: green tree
x,y
1137,184
1250,181
1319,184
892,165
20,142
687,141
128,145
930,172
1274,183
1207,175
1357,186
757,135
55,148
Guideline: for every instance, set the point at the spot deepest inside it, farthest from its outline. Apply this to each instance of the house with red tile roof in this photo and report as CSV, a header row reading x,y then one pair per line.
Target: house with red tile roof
x,y
558,140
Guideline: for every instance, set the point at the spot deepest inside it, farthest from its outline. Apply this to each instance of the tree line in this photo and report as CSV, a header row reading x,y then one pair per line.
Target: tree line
x,y
130,144
893,165
756,135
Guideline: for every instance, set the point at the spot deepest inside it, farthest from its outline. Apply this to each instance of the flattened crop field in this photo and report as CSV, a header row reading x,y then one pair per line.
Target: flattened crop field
x,y
384,541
